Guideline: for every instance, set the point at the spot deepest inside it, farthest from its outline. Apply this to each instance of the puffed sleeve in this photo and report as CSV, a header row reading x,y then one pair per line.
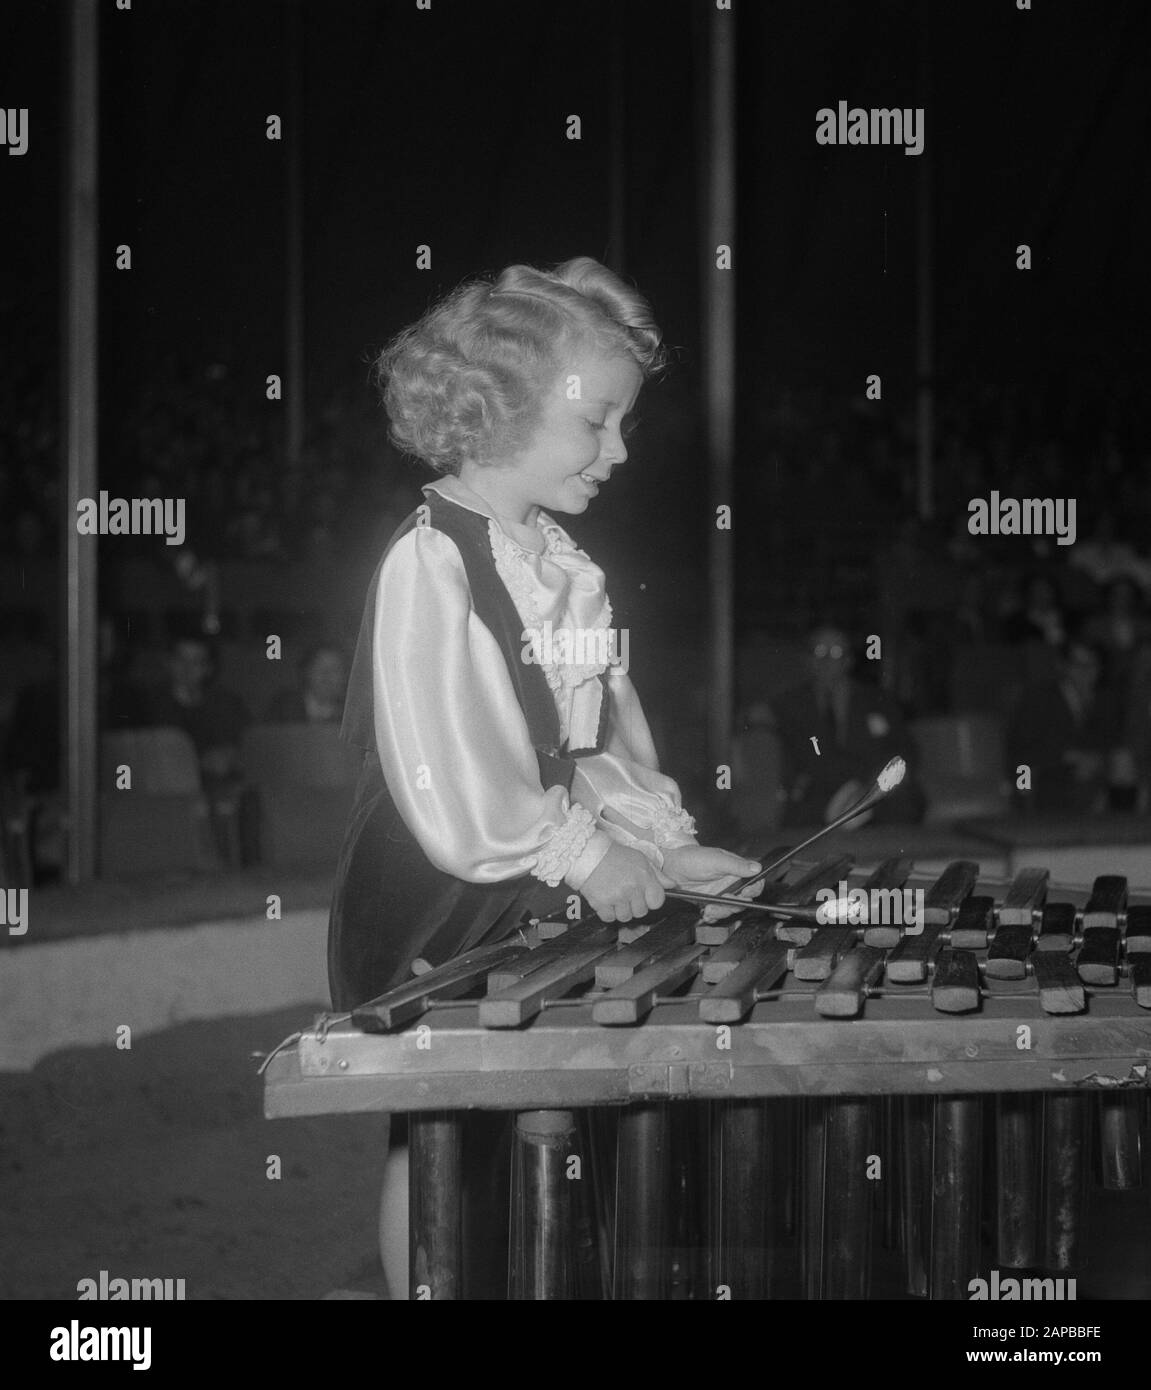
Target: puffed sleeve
x,y
452,739
623,784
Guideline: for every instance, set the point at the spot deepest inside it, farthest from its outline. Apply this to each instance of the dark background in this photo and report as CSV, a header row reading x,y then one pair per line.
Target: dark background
x,y
446,127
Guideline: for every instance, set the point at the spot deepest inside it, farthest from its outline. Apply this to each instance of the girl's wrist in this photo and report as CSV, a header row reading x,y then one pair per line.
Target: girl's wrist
x,y
588,860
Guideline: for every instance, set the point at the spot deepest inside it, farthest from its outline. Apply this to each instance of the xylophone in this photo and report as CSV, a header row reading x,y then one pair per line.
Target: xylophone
x,y
846,1080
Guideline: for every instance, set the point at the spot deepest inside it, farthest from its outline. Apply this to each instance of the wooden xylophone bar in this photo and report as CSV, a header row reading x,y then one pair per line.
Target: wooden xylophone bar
x,y
1005,1013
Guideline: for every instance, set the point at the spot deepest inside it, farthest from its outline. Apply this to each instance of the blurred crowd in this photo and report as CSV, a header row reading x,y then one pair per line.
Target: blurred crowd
x,y
207,434
831,482
1054,641
183,692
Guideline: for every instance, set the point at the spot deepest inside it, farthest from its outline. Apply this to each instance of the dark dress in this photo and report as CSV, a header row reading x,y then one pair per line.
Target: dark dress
x,y
390,903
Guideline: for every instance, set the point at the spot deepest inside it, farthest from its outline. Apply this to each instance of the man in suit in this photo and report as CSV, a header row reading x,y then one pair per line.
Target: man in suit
x,y
856,728
1059,730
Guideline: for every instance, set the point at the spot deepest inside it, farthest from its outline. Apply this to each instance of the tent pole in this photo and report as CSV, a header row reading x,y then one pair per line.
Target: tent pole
x,y
294,233
925,305
719,306
80,353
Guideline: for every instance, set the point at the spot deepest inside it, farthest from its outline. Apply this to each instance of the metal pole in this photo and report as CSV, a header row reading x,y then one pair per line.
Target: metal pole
x,y
81,271
1064,1179
294,235
718,296
435,1188
925,307
847,1197
618,164
542,1265
956,1170
1018,1137
746,1173
641,1266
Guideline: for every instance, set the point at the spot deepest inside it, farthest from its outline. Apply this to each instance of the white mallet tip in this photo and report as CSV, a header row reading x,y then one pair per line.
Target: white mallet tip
x,y
892,775
836,910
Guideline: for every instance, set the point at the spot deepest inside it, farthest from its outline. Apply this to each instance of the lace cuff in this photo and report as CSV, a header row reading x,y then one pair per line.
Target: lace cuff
x,y
566,845
672,826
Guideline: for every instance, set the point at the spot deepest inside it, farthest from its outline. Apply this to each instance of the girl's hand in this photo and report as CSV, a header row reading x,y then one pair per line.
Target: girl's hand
x,y
704,869
623,885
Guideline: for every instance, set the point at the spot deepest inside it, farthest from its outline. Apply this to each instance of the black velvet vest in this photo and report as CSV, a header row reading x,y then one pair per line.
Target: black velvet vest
x,y
390,903
468,530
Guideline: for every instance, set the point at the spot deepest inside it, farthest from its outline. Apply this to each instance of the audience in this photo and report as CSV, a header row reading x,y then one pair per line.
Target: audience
x,y
1103,557
319,697
1122,628
939,596
1061,731
1137,728
212,716
1039,617
31,775
856,729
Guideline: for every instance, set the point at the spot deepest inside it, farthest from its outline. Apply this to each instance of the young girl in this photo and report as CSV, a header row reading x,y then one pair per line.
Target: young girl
x,y
508,762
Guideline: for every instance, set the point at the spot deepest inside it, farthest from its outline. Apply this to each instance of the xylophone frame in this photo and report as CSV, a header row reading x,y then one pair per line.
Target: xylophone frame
x,y
933,1071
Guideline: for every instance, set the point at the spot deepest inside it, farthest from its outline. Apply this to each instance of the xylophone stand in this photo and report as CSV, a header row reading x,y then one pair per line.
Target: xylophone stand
x,y
837,1197
540,1266
1065,1124
435,1186
957,1152
941,1169
1120,1122
746,1168
642,1171
1018,1154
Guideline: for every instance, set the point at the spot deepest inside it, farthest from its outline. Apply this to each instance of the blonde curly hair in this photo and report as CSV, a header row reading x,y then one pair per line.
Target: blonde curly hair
x,y
467,380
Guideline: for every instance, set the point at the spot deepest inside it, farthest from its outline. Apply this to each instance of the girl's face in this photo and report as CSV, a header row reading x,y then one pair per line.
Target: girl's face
x,y
576,444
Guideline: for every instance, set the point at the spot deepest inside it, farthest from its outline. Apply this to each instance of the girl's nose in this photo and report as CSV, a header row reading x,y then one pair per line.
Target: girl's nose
x,y
615,452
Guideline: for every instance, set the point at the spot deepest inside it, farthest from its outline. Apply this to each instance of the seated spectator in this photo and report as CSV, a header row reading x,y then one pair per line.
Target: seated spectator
x,y
213,717
1104,557
1040,618
1061,730
1137,727
857,728
319,698
32,745
30,764
1121,628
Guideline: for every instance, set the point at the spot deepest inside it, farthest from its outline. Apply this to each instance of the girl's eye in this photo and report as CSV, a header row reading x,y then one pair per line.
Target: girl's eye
x,y
597,424
630,425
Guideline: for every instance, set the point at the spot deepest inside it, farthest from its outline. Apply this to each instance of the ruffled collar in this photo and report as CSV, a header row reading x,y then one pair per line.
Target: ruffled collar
x,y
556,589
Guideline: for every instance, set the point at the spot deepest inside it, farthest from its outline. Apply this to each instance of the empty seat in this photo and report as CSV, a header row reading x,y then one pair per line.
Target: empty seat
x,y
161,762
160,822
304,776
961,767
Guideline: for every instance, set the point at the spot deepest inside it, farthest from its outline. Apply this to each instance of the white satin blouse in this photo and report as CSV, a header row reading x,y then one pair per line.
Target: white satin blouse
x,y
452,739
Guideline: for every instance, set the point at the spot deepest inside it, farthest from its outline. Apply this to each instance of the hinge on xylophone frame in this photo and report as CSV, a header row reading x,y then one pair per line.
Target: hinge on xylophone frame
x,y
679,1079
